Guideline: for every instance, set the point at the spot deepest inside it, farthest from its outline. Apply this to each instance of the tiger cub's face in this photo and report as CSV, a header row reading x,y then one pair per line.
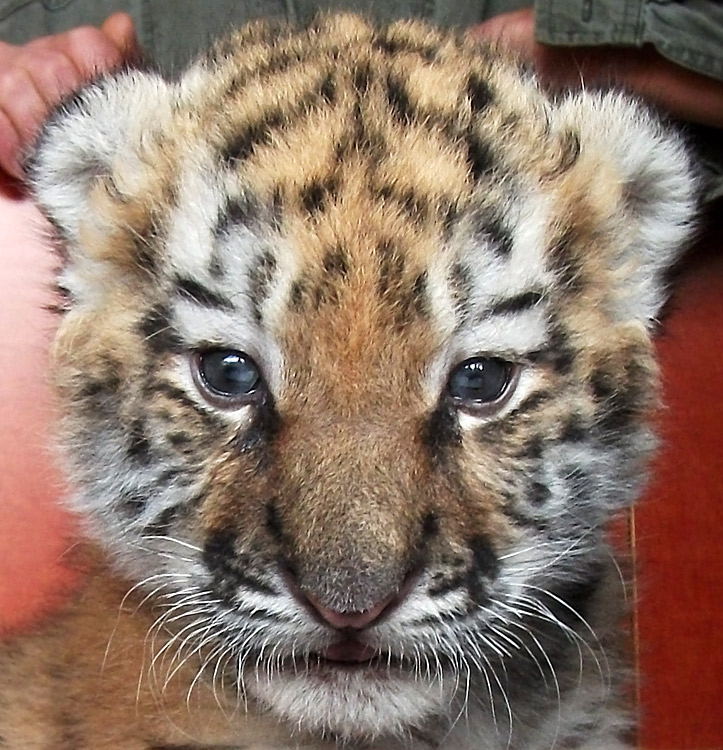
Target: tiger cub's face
x,y
356,360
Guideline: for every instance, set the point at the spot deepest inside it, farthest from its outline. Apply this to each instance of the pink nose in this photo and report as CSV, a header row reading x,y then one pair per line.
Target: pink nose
x,y
351,620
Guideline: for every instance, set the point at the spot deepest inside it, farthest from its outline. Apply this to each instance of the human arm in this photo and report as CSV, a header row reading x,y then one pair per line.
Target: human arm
x,y
683,93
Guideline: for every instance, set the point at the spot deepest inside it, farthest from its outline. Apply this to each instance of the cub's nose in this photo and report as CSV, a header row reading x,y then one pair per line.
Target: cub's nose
x,y
352,613
351,620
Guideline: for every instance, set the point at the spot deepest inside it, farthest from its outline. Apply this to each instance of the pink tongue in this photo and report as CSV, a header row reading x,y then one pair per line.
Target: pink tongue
x,y
351,652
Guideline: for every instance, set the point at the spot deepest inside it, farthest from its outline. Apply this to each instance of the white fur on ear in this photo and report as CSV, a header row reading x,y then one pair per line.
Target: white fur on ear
x,y
658,190
97,132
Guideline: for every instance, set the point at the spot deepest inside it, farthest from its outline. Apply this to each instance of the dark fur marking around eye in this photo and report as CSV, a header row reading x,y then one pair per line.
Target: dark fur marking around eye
x,y
263,429
532,402
201,295
558,353
479,93
181,398
440,432
228,568
159,332
519,303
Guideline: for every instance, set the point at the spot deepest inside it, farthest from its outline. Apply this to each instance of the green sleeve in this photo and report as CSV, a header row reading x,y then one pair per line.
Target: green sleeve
x,y
689,33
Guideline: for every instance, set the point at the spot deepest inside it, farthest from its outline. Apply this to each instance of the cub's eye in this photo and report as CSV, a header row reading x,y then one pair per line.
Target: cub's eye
x,y
481,382
226,377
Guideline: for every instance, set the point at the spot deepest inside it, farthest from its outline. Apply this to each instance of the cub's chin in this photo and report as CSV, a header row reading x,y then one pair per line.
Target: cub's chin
x,y
351,701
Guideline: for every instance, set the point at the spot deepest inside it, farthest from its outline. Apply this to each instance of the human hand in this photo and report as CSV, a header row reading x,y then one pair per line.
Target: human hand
x,y
683,93
36,76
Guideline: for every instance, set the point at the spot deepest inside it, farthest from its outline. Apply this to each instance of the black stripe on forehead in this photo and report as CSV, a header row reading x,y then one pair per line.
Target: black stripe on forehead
x,y
399,102
491,227
480,156
261,276
516,303
250,134
394,44
317,287
194,291
243,209
317,195
479,93
401,286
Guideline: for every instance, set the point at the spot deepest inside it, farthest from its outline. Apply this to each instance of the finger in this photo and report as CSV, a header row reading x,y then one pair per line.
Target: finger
x,y
53,74
10,147
120,29
515,30
22,103
90,50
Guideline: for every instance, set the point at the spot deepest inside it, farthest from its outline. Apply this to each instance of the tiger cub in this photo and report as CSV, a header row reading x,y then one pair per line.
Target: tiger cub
x,y
355,368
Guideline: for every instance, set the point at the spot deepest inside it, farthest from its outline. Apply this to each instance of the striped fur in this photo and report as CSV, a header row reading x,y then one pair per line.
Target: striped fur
x,y
360,211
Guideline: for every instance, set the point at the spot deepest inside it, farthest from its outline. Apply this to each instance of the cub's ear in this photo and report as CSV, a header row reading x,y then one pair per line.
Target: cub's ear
x,y
637,176
102,138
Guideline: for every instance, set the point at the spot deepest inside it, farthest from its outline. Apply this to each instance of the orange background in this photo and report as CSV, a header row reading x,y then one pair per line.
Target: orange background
x,y
679,556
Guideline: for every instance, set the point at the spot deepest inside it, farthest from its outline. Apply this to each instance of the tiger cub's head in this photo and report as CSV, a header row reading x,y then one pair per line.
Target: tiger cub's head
x,y
356,362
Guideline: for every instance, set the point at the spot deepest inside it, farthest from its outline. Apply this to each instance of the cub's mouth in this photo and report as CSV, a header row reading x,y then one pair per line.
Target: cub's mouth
x,y
351,655
348,652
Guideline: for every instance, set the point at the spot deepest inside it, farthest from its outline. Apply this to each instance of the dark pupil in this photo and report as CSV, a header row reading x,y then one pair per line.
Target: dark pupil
x,y
229,373
479,379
